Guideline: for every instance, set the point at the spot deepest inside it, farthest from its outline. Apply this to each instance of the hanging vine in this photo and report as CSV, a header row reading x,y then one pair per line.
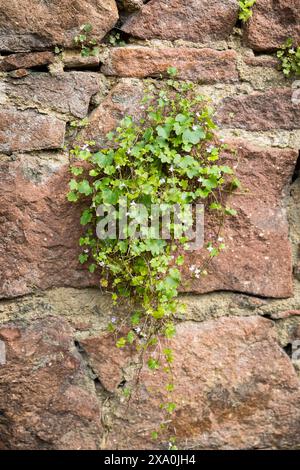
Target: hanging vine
x,y
171,156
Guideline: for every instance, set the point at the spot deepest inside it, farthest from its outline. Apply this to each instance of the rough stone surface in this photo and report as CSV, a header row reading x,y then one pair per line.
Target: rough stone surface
x,y
107,366
130,5
257,259
194,20
33,25
29,130
235,389
25,61
260,111
124,99
272,23
72,59
47,401
68,93
200,65
39,228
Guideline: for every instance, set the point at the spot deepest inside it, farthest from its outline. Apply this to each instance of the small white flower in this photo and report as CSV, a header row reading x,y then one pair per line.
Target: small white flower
x,y
171,168
195,128
220,239
192,268
210,248
138,330
133,203
85,147
86,250
113,319
198,114
118,167
162,180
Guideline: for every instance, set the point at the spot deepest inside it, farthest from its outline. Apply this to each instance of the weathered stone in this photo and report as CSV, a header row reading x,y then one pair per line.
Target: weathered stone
x,y
130,5
46,399
285,314
39,228
260,111
124,99
107,366
68,93
74,60
25,61
235,389
257,259
272,23
194,20
199,65
29,130
20,73
261,61
33,25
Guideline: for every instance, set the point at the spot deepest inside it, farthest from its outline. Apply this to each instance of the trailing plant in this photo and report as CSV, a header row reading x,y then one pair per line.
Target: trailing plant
x,y
246,9
89,46
170,156
289,56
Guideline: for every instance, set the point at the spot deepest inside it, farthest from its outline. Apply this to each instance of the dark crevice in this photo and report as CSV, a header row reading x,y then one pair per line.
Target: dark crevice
x,y
296,173
99,387
122,384
239,24
7,53
39,68
288,350
264,52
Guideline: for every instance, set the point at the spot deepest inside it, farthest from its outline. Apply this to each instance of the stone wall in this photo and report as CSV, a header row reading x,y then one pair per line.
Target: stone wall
x,y
235,366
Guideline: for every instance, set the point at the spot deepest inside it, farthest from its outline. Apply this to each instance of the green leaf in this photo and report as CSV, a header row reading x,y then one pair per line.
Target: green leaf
x,y
170,407
83,257
84,188
193,136
153,364
135,319
121,342
229,211
72,197
163,132
73,185
86,217
170,331
172,71
92,268
180,260
76,170
130,337
103,159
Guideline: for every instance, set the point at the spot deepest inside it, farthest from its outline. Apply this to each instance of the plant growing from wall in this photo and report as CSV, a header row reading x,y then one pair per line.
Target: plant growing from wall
x,y
171,156
88,45
289,56
246,9
115,40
